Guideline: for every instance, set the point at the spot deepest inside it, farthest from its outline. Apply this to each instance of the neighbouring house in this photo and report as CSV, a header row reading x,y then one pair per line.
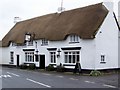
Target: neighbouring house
x,y
89,34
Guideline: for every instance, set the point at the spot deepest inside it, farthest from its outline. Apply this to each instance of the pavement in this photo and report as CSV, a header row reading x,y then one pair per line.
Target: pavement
x,y
18,78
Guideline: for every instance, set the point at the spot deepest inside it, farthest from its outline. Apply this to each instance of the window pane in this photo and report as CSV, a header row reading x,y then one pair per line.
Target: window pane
x,y
78,57
66,52
73,58
66,58
51,58
77,52
69,58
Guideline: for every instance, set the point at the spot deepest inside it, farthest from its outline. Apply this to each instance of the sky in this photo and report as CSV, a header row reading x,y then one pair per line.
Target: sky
x,y
26,9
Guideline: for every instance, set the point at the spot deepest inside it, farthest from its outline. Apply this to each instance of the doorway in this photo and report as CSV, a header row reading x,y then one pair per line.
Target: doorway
x,y
18,58
42,62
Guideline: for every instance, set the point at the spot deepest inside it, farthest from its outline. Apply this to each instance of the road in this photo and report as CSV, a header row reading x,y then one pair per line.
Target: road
x,y
17,78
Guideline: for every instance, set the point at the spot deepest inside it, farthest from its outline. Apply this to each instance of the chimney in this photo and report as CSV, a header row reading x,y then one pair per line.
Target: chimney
x,y
17,19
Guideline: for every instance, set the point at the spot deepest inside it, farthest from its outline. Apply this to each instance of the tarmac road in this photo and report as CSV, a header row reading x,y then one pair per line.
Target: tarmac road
x,y
17,78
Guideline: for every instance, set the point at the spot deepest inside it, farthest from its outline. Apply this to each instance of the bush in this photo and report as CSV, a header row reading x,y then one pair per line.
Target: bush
x,y
95,73
50,68
23,66
60,69
31,66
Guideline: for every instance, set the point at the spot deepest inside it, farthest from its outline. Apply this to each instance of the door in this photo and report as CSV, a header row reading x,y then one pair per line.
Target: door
x,y
42,61
18,57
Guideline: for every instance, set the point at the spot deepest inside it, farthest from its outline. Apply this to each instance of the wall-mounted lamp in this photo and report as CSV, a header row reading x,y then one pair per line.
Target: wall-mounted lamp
x,y
58,55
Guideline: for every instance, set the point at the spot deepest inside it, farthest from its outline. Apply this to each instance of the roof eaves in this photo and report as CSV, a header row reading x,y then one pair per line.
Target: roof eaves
x,y
116,21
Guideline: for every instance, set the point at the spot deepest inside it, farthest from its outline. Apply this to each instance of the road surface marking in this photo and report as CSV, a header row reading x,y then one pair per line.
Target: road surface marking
x,y
38,83
46,74
60,76
110,86
5,76
13,74
73,79
89,82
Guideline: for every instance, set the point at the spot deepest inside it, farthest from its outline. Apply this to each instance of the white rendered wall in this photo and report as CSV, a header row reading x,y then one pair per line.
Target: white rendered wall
x,y
0,55
119,49
5,55
107,42
87,52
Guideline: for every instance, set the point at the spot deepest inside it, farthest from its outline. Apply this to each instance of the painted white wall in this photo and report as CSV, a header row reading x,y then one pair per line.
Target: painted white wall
x,y
5,55
107,42
0,55
87,52
119,49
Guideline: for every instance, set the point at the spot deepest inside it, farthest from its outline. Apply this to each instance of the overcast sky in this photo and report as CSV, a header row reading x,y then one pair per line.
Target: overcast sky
x,y
26,9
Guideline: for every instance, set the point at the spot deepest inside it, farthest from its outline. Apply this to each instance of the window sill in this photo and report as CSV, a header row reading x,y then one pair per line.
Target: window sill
x,y
11,63
44,44
73,42
30,45
102,62
52,64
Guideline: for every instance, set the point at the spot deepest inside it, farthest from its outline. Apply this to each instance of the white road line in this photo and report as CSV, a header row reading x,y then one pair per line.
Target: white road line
x,y
60,76
110,86
73,79
5,76
89,82
38,83
13,74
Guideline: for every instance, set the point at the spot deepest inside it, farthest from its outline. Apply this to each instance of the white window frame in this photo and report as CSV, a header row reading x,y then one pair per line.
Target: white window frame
x,y
44,42
11,57
103,59
29,56
53,57
69,55
14,44
74,39
30,43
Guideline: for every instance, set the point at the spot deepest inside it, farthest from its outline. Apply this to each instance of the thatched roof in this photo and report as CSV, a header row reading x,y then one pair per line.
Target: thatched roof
x,y
83,22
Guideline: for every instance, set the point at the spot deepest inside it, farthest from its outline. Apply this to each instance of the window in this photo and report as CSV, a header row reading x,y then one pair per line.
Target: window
x,y
30,43
44,42
74,38
102,59
29,56
11,57
14,44
53,57
71,57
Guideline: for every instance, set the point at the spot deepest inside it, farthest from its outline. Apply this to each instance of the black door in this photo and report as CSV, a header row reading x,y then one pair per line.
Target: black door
x,y
18,60
36,58
42,61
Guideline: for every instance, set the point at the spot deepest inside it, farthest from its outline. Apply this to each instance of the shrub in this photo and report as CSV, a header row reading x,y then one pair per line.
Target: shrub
x,y
60,69
50,68
31,66
95,73
23,66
